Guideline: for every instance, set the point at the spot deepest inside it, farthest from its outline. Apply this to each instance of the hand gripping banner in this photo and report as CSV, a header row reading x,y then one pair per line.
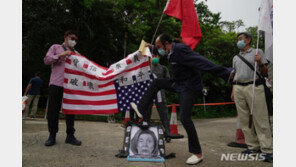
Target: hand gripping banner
x,y
92,89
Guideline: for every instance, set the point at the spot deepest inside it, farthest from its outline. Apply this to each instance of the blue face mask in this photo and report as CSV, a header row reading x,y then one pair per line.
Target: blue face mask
x,y
241,44
162,52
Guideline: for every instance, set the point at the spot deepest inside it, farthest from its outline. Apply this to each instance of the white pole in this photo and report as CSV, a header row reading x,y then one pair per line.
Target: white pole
x,y
124,47
157,28
204,101
254,79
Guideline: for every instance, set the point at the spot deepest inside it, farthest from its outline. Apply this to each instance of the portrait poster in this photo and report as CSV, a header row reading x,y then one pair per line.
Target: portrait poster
x,y
145,144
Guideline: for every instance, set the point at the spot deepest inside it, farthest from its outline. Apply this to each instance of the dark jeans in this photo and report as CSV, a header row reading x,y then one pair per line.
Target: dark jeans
x,y
54,106
186,101
132,116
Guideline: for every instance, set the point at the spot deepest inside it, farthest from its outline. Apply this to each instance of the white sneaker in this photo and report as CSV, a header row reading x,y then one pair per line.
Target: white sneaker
x,y
194,160
134,106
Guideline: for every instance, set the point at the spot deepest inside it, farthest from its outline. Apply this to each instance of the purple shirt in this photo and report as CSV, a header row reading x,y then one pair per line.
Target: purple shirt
x,y
57,64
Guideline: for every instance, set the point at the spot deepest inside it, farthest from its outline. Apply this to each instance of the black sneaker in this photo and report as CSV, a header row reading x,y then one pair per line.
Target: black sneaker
x,y
267,157
248,151
72,140
177,136
51,140
32,117
238,145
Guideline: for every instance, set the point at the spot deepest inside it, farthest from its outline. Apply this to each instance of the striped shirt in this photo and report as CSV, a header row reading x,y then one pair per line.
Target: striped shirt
x,y
57,64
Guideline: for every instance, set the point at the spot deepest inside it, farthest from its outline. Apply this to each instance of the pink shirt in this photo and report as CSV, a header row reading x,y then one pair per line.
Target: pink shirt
x,y
57,64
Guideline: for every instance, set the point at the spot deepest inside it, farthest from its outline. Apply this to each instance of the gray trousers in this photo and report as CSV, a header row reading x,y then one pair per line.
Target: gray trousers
x,y
32,99
259,136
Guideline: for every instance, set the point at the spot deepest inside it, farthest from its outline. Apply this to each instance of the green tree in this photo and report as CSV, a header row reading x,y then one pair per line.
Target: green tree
x,y
253,31
105,25
231,26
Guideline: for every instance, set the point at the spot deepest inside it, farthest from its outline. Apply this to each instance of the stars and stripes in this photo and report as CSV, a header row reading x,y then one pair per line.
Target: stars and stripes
x,y
93,89
130,93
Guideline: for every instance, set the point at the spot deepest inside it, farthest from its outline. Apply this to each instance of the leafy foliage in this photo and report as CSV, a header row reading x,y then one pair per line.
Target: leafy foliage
x,y
105,25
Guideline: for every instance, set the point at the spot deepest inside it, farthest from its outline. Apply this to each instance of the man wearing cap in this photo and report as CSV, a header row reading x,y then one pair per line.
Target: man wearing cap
x,y
258,137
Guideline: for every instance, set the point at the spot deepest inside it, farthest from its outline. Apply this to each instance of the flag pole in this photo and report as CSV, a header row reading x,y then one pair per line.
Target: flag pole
x,y
157,27
254,81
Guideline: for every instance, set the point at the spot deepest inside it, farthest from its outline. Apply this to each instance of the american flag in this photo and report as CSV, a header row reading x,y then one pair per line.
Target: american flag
x,y
92,89
130,93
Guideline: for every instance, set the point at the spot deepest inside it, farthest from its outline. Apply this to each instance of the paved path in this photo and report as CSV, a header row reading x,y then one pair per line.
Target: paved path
x,y
101,141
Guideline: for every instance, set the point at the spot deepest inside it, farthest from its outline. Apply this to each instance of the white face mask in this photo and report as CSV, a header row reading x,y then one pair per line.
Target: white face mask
x,y
71,43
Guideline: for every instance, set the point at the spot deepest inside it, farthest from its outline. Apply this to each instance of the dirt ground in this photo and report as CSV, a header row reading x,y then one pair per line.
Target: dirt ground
x,y
101,141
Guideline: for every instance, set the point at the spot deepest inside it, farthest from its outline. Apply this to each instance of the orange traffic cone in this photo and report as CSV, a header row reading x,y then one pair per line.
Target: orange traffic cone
x,y
126,118
239,137
173,122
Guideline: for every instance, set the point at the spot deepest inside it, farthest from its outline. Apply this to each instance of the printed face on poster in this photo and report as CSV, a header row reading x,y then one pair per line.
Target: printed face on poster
x,y
144,143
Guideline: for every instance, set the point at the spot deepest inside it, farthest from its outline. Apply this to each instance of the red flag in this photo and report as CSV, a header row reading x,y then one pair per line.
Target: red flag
x,y
185,11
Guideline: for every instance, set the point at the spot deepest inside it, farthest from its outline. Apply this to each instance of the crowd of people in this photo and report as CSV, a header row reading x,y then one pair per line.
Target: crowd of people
x,y
185,80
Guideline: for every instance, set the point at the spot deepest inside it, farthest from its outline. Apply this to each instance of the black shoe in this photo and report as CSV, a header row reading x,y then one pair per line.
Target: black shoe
x,y
177,136
238,145
248,151
267,157
72,140
51,140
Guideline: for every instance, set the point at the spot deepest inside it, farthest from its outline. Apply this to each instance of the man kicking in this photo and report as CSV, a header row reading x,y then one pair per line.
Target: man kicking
x,y
186,66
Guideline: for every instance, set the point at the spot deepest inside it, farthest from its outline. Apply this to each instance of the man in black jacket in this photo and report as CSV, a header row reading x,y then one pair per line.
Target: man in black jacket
x,y
186,66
